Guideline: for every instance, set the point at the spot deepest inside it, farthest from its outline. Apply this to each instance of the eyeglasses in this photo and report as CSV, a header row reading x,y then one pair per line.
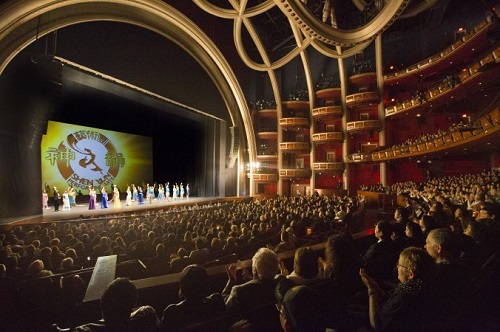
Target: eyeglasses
x,y
405,267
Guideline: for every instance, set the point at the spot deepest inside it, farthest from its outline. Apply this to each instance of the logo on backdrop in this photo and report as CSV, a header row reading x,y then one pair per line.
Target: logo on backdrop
x,y
86,158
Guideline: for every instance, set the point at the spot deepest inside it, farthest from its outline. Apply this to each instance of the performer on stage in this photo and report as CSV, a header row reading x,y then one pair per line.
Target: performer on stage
x,y
187,190
116,197
167,191
140,195
128,200
45,200
66,204
57,197
181,189
104,199
150,193
174,192
160,192
135,193
92,198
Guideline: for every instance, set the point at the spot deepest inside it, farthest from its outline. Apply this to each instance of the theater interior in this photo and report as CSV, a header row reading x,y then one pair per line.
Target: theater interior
x,y
306,107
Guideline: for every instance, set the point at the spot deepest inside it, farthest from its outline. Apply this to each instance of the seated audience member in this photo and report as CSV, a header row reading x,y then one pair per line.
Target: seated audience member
x,y
37,269
196,306
401,218
5,281
381,256
301,308
305,267
119,313
254,300
452,279
427,223
285,244
180,261
68,266
200,254
405,308
414,235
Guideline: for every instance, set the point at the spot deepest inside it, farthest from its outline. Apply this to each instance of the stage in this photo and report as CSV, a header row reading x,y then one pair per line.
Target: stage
x,y
81,211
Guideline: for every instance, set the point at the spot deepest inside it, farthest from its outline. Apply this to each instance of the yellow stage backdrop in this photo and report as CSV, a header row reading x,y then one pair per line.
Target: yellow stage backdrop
x,y
80,156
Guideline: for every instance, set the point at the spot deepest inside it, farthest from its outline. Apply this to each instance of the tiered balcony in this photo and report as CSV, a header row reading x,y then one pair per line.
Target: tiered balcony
x,y
294,123
295,147
336,136
329,94
328,166
467,80
358,157
267,177
268,113
292,173
487,130
296,105
363,79
356,126
362,99
470,44
267,157
327,111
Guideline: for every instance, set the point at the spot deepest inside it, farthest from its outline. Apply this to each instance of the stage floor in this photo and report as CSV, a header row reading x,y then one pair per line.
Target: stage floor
x,y
82,212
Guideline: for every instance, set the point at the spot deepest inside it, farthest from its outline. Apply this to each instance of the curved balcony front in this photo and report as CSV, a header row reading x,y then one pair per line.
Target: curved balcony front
x,y
362,99
335,136
328,166
267,177
292,173
358,157
327,111
268,135
363,79
267,157
295,147
268,113
329,94
485,131
294,123
296,105
472,43
355,126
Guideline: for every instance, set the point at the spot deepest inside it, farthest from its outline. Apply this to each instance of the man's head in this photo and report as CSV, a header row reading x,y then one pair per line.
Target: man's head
x,y
401,214
118,300
264,264
442,245
193,282
383,230
414,263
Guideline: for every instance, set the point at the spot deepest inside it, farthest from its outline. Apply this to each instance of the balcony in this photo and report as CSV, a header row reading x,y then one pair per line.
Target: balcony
x,y
327,111
362,99
294,123
328,166
355,126
296,105
268,135
336,136
268,113
292,173
267,177
358,157
295,147
363,79
269,157
329,94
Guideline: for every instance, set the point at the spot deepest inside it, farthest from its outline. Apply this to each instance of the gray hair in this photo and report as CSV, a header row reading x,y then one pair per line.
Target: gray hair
x,y
265,263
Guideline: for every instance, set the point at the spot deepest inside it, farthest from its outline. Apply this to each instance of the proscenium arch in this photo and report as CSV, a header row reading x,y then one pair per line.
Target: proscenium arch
x,y
22,22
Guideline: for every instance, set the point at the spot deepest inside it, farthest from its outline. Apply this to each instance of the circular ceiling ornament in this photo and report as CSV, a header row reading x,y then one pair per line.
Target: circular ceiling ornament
x,y
326,25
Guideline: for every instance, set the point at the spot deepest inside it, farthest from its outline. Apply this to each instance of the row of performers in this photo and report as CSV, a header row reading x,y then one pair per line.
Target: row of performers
x,y
138,195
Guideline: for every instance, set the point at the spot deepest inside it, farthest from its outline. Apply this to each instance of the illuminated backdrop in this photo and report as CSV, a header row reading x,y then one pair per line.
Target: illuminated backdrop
x,y
80,156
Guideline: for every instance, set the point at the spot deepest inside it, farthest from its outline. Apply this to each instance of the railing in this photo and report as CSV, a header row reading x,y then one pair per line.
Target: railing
x,y
295,173
294,122
295,146
335,111
324,166
362,98
328,137
364,125
441,56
